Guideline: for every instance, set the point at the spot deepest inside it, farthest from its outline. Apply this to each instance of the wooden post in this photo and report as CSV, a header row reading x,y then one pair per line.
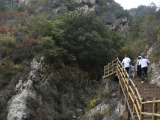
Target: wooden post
x,y
123,78
142,109
125,104
154,108
134,101
128,88
129,115
117,67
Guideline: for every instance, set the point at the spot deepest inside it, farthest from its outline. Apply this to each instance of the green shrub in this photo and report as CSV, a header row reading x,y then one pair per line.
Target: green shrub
x,y
155,55
92,103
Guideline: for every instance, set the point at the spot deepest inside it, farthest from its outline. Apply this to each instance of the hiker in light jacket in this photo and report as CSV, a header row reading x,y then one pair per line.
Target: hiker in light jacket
x,y
126,61
144,65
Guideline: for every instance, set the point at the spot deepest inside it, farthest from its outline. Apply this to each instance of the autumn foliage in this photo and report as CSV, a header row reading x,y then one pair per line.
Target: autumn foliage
x,y
27,42
12,15
8,66
7,28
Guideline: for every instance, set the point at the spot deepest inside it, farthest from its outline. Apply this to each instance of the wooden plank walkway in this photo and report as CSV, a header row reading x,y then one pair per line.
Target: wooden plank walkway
x,y
142,101
147,92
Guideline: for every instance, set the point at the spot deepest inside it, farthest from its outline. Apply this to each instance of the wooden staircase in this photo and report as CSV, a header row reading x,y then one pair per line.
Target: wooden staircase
x,y
147,92
142,101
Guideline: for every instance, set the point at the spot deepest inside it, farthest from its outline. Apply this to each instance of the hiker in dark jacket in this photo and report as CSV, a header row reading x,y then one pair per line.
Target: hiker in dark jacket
x,y
138,66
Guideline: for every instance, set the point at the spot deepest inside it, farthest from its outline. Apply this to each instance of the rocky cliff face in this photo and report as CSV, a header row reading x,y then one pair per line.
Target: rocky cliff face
x,y
88,5
154,67
18,108
22,105
84,6
111,108
122,23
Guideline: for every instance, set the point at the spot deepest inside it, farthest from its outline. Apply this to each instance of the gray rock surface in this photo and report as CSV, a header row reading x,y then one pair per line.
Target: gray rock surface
x,y
17,108
154,68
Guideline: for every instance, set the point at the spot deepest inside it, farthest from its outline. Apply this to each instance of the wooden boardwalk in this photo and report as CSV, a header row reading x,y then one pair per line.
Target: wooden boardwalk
x,y
148,92
142,101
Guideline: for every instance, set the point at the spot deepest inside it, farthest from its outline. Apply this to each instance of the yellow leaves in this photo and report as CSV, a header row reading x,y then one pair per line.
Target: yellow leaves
x,y
8,66
92,103
141,42
158,33
16,66
158,37
7,38
103,6
127,50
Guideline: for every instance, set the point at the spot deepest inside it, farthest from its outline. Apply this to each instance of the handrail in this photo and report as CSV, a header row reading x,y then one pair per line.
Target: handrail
x,y
130,91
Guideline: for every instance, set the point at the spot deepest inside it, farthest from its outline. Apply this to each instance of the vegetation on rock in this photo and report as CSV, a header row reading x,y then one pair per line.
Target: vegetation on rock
x,y
76,46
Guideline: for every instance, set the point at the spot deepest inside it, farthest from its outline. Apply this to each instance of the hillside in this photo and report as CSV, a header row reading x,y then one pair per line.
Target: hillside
x,y
52,54
144,35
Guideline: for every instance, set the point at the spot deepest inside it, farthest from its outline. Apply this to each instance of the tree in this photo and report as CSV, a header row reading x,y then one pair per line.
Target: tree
x,y
77,36
88,39
52,52
143,11
39,26
7,43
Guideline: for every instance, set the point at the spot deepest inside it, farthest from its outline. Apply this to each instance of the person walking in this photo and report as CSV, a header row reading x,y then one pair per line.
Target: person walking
x,y
144,65
126,61
138,66
132,68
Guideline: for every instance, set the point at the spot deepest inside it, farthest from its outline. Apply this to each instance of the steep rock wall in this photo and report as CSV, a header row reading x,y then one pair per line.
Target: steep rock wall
x,y
84,6
18,105
154,67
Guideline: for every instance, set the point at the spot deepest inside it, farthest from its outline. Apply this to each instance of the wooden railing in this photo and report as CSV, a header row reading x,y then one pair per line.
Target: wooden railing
x,y
110,69
133,101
